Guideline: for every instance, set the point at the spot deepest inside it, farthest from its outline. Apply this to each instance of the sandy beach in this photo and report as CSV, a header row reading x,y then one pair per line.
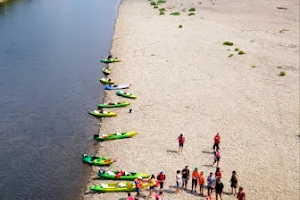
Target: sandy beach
x,y
186,83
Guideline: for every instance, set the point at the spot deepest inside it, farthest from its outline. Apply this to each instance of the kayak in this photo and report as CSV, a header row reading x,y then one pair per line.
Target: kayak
x,y
114,136
96,113
119,175
114,105
112,60
94,160
116,187
125,94
117,87
106,71
107,81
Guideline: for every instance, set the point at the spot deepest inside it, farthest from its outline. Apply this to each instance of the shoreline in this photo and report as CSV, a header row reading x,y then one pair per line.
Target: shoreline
x,y
253,108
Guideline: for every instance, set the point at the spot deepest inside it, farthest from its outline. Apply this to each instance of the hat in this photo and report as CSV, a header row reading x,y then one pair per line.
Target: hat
x,y
196,168
140,177
161,172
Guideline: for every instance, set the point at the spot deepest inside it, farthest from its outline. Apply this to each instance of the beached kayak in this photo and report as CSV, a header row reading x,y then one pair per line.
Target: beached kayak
x,y
119,175
106,71
117,87
116,187
125,94
94,160
112,60
96,113
114,136
107,81
114,105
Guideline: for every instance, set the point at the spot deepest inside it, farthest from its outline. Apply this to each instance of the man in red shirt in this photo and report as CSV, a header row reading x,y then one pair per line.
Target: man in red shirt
x,y
217,141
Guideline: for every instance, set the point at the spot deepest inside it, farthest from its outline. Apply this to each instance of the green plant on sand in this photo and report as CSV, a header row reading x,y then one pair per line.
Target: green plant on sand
x,y
161,13
283,30
228,43
241,52
161,1
253,66
180,26
190,14
192,9
175,13
236,49
153,3
155,7
230,55
282,73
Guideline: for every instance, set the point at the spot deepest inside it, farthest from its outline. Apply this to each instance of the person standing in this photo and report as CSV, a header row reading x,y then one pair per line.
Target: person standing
x,y
234,182
201,182
159,196
241,194
217,140
161,177
185,176
217,157
152,182
138,184
195,177
178,182
181,141
211,181
219,188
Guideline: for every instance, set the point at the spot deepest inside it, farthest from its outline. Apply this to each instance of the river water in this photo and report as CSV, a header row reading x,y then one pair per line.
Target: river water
x,y
49,78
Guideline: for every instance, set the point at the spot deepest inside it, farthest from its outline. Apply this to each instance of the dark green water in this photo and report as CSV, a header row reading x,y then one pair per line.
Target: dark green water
x,y
49,78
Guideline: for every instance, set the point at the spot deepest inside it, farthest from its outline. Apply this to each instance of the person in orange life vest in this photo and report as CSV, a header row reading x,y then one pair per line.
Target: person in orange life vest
x,y
152,182
201,182
159,196
217,157
129,196
241,194
217,141
138,184
218,173
181,141
195,177
161,177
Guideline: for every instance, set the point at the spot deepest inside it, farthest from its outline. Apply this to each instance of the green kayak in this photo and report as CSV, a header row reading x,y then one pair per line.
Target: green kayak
x,y
125,94
119,175
116,187
114,105
106,71
96,113
94,160
111,60
107,81
114,136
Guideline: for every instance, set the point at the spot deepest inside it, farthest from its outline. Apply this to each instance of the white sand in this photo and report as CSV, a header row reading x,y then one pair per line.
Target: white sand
x,y
185,83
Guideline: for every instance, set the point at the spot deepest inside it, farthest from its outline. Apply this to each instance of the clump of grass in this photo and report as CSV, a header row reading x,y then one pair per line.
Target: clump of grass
x,y
152,3
241,52
192,9
155,7
253,66
236,49
282,73
175,13
162,9
180,26
230,55
161,1
190,14
161,13
283,30
228,43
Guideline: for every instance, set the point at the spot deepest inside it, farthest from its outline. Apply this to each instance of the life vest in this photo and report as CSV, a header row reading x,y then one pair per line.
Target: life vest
x,y
138,183
181,140
161,177
217,139
152,182
201,179
195,174
240,195
219,174
158,197
130,198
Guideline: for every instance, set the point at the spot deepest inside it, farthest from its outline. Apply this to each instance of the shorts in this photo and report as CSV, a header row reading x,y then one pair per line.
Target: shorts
x,y
217,159
210,188
180,145
138,190
178,185
218,191
234,185
161,185
151,187
194,182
